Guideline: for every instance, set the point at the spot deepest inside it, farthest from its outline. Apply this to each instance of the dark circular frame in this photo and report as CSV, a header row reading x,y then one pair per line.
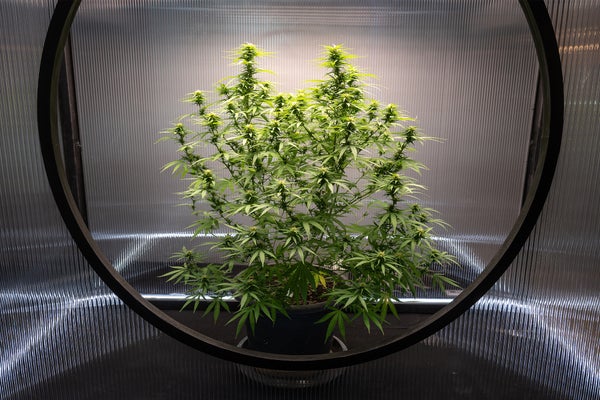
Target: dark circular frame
x,y
541,29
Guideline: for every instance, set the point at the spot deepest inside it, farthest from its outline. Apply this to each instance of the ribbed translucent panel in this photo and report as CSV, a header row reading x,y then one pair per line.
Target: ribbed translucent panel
x,y
542,321
535,336
50,301
467,81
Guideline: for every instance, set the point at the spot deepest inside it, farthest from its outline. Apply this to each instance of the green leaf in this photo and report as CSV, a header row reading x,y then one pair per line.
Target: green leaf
x,y
311,162
392,308
363,303
244,300
266,312
300,254
215,306
383,218
336,318
341,323
351,299
393,221
366,322
330,328
375,319
261,255
306,227
317,225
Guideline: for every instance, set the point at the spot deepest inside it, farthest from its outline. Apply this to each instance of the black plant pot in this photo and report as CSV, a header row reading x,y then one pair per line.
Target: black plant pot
x,y
299,334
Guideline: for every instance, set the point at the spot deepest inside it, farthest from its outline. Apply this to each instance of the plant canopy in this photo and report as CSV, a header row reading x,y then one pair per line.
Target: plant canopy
x,y
312,193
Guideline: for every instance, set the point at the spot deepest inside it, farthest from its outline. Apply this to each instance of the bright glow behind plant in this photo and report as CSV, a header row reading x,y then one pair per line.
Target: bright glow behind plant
x,y
298,166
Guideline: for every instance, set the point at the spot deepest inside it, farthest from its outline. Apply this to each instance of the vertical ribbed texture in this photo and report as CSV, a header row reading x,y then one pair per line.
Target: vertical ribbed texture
x,y
54,314
542,319
468,73
466,80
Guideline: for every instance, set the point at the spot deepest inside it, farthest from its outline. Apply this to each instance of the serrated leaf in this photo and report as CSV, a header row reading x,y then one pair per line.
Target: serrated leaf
x,y
375,319
244,300
266,312
392,308
317,225
366,322
363,302
383,218
330,327
351,299
306,227
301,254
341,324
253,257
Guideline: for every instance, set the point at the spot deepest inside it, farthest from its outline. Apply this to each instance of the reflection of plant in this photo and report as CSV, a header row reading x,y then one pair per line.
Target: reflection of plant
x,y
311,187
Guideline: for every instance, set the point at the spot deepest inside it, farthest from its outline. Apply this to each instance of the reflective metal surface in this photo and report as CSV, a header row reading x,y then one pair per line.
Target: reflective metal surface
x,y
63,335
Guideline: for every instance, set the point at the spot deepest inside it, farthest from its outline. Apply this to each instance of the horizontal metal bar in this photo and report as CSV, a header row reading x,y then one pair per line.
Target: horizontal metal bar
x,y
175,301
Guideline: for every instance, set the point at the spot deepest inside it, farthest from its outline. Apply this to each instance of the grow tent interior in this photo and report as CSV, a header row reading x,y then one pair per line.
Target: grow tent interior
x,y
468,82
465,69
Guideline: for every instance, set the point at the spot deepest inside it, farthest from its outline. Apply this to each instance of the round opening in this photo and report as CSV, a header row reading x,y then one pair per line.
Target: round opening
x,y
109,254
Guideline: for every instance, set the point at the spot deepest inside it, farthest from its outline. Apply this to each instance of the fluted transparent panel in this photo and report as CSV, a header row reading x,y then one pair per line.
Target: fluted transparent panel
x,y
542,320
468,82
63,335
50,300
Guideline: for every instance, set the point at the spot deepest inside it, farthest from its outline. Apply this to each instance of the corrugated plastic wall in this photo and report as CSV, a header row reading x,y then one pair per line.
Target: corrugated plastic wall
x,y
443,62
535,335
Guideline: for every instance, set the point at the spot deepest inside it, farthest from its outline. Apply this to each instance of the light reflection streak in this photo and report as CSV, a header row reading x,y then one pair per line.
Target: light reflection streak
x,y
138,244
39,344
542,329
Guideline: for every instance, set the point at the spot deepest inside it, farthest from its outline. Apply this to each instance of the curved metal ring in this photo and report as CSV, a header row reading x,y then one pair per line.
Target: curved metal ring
x,y
552,88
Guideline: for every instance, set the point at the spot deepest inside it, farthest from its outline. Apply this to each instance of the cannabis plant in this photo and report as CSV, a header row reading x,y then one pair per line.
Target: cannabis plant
x,y
312,194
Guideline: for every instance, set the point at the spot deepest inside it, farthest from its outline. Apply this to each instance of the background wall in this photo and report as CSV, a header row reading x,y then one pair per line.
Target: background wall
x,y
64,335
460,68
